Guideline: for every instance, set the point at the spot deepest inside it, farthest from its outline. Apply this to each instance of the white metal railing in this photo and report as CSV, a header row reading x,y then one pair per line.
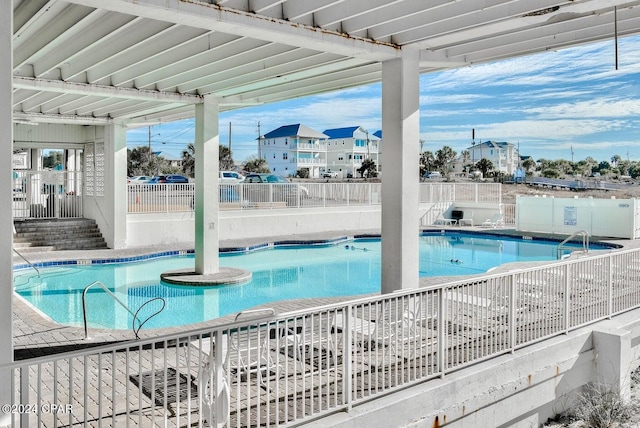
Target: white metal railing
x,y
47,194
288,368
146,198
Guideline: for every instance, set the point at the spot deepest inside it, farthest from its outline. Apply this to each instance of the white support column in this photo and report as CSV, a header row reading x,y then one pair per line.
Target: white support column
x,y
207,202
6,194
115,153
400,178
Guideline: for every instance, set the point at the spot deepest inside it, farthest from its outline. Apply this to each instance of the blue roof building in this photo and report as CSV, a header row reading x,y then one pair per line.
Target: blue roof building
x,y
290,148
348,147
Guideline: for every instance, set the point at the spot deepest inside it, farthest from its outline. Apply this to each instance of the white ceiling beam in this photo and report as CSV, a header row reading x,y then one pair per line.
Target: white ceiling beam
x,y
259,6
58,118
242,68
589,28
487,23
27,12
106,91
170,50
124,45
215,18
293,10
317,84
30,44
331,17
273,66
241,49
69,48
197,55
300,75
393,14
455,17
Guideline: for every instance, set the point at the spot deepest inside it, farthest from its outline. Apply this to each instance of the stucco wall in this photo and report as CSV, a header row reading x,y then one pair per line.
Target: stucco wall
x,y
152,229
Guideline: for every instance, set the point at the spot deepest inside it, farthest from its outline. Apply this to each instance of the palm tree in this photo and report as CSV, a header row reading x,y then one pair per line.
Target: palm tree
x,y
484,165
256,165
189,160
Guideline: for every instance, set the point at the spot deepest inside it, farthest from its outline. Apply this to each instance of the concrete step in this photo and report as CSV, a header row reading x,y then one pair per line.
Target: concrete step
x,y
64,234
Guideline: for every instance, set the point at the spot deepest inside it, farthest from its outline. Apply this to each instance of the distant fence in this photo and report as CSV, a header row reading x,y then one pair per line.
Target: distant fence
x,y
148,198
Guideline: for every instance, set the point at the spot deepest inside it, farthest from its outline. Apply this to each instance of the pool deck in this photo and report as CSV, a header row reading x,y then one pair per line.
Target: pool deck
x,y
35,335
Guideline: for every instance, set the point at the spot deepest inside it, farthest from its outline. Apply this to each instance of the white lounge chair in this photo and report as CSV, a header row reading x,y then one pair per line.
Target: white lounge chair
x,y
495,221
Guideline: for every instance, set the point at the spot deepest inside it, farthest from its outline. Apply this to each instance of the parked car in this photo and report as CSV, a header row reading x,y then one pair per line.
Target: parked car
x,y
284,190
330,174
171,178
138,179
231,177
227,194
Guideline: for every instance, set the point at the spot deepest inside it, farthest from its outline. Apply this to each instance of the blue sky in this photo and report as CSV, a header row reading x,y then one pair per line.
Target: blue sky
x,y
549,104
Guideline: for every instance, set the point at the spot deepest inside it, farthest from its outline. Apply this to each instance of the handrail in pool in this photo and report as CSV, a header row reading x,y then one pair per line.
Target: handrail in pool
x,y
27,261
135,315
585,242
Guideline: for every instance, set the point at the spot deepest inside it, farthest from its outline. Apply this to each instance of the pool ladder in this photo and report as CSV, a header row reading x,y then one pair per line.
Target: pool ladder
x,y
135,315
585,242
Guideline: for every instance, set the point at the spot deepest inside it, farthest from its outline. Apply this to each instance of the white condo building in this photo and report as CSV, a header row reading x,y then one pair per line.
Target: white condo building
x,y
292,147
348,147
504,156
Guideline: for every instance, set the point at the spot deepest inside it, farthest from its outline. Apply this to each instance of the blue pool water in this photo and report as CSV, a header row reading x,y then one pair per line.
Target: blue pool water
x,y
343,269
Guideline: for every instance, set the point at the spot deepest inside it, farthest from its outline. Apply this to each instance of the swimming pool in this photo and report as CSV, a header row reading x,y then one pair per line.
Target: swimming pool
x,y
346,268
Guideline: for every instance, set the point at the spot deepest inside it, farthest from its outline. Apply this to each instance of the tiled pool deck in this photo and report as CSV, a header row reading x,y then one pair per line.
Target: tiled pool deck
x,y
35,335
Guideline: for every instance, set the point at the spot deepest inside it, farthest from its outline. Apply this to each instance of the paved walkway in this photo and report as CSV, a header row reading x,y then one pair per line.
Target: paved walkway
x,y
35,335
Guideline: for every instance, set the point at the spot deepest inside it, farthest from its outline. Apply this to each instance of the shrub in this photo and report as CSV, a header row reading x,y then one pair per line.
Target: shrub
x,y
600,407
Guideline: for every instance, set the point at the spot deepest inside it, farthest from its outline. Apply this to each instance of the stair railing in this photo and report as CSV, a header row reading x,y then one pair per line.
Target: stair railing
x,y
135,329
585,242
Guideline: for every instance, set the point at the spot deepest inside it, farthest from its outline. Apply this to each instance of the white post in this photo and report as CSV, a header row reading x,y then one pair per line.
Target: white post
x,y
207,179
400,180
6,194
115,158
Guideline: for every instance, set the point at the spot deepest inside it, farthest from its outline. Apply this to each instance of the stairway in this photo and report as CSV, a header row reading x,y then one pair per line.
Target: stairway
x,y
62,234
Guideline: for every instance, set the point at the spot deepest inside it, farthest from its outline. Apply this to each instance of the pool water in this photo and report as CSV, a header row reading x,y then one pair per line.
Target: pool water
x,y
344,269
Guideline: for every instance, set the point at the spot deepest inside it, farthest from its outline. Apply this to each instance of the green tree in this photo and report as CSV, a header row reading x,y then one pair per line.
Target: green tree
x,y
189,160
141,161
528,164
444,157
225,159
368,169
427,162
53,159
256,164
485,166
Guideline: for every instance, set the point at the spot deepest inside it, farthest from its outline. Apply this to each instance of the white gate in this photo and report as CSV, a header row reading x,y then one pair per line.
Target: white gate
x,y
47,194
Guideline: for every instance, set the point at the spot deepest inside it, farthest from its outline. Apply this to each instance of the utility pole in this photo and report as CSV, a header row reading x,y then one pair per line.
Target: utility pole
x,y
259,142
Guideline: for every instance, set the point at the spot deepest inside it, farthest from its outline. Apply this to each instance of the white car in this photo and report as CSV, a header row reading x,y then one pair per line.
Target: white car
x,y
330,174
231,177
138,179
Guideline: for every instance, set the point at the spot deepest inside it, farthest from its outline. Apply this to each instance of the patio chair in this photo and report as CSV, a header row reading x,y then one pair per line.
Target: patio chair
x,y
311,341
495,221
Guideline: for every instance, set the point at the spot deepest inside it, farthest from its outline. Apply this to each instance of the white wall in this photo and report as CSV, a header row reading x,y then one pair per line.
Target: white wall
x,y
153,229
599,217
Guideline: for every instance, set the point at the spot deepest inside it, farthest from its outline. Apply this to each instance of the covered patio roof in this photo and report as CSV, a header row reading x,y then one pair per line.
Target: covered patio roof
x,y
149,61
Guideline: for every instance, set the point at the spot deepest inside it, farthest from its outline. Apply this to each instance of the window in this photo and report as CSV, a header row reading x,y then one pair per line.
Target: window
x,y
286,141
340,156
285,156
